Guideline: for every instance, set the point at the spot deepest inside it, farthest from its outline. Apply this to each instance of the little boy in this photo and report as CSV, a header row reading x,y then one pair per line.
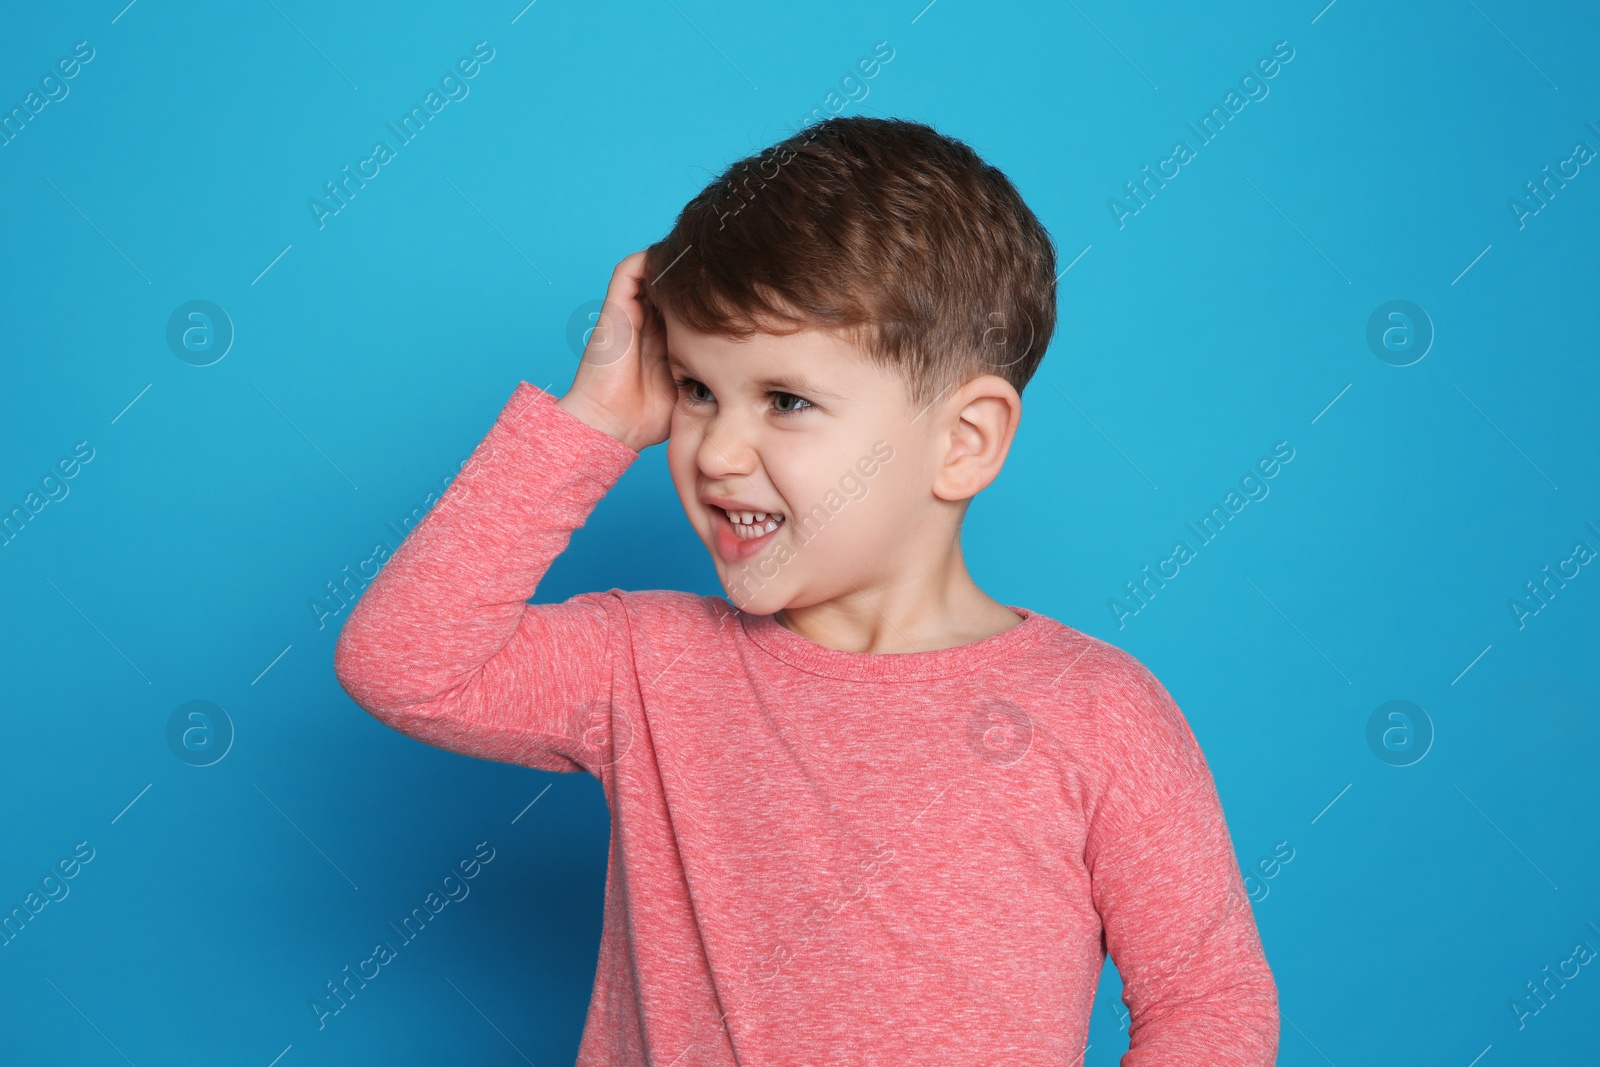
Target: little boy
x,y
865,814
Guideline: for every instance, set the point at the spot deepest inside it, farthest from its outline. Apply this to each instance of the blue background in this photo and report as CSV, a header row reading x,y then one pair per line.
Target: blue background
x,y
371,354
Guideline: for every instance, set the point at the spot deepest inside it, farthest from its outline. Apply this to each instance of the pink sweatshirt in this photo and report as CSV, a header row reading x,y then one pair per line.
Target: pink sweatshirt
x,y
823,857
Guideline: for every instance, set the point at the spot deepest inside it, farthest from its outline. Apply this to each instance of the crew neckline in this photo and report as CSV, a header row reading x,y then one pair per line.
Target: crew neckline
x,y
802,652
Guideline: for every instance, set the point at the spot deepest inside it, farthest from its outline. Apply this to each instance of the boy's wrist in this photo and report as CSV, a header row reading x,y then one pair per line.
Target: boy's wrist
x,y
593,417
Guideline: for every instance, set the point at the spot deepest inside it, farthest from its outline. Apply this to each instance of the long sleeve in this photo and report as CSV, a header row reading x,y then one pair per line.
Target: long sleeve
x,y
442,645
1177,920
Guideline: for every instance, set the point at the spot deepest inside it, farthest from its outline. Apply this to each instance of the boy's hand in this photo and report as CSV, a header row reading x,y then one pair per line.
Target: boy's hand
x,y
623,386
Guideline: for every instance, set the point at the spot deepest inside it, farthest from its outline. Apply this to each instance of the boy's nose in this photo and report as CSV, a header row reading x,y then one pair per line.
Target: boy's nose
x,y
727,448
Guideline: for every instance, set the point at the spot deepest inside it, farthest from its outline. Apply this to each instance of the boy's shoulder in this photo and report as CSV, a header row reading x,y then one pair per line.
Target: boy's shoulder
x,y
1084,659
1123,707
1133,733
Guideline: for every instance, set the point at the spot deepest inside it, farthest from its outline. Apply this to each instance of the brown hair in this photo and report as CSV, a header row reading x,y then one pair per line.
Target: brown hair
x,y
883,231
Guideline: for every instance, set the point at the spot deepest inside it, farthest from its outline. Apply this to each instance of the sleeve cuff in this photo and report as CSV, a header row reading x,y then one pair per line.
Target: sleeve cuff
x,y
532,411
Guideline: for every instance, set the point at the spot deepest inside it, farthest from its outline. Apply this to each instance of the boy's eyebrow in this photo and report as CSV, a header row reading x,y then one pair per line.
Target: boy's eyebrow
x,y
795,383
783,383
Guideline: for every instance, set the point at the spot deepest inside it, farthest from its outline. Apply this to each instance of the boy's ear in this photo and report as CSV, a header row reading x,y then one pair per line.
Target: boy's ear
x,y
977,424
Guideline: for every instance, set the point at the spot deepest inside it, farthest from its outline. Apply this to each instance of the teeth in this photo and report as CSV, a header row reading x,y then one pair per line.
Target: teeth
x,y
748,517
748,525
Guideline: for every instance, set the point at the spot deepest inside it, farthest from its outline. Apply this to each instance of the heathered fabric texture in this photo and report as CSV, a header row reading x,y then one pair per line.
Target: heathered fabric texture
x,y
821,857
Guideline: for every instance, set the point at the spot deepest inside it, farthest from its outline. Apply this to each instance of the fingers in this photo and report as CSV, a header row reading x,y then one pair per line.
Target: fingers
x,y
631,266
654,333
627,289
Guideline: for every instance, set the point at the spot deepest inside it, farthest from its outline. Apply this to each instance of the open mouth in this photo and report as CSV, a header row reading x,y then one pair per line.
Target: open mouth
x,y
751,525
740,535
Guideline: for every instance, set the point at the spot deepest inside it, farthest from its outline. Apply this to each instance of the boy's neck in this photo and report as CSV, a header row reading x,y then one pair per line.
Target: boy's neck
x,y
902,619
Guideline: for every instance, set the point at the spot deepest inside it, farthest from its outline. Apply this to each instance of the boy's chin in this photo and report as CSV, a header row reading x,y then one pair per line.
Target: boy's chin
x,y
752,601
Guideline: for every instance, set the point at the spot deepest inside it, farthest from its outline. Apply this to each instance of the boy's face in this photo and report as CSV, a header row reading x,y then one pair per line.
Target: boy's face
x,y
804,427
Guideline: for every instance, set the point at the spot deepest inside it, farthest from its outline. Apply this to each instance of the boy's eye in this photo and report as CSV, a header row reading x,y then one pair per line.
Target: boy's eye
x,y
800,400
780,399
686,383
